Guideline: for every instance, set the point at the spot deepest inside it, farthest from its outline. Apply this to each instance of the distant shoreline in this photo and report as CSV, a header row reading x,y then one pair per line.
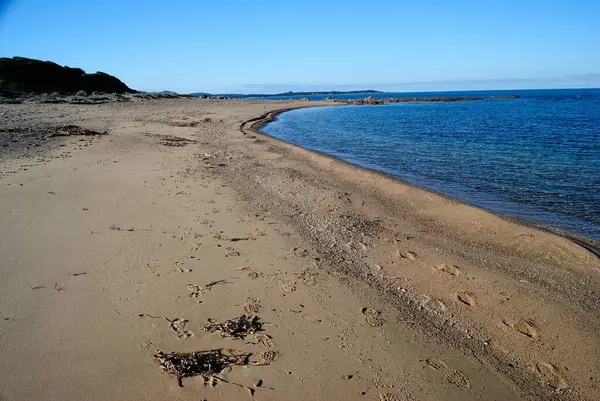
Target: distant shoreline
x,y
289,93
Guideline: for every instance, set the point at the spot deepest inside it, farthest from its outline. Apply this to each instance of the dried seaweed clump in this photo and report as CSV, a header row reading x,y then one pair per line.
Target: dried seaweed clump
x,y
205,363
71,130
177,141
239,327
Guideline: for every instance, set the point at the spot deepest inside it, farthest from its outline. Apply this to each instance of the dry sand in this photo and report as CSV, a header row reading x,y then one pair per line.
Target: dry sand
x,y
108,243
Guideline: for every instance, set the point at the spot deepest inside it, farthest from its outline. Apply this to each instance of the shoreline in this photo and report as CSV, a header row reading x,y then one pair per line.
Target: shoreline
x,y
487,235
257,123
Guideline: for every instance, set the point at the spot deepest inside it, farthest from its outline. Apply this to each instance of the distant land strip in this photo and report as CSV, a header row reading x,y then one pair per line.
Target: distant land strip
x,y
372,100
290,93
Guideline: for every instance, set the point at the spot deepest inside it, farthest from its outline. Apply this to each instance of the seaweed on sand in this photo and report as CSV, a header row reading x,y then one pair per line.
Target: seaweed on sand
x,y
239,327
204,363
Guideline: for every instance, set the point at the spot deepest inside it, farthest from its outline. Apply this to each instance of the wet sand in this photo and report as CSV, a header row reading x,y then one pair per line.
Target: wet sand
x,y
368,288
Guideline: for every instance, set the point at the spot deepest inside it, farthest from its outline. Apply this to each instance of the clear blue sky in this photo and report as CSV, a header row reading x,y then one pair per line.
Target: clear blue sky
x,y
271,46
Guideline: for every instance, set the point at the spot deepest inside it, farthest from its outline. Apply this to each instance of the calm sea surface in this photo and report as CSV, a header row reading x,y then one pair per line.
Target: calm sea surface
x,y
536,157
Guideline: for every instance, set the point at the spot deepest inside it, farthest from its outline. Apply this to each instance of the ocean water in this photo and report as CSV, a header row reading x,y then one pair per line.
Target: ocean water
x,y
536,157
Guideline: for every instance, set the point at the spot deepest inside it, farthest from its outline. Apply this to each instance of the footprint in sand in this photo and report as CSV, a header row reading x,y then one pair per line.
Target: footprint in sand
x,y
178,268
436,364
300,252
389,397
450,269
179,326
268,357
375,321
373,317
457,378
252,306
549,375
252,274
309,278
438,305
395,397
345,281
342,278
265,340
231,251
526,327
379,383
195,291
288,286
407,255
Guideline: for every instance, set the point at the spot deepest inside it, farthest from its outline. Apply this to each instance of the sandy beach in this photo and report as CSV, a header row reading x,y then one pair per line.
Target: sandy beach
x,y
179,214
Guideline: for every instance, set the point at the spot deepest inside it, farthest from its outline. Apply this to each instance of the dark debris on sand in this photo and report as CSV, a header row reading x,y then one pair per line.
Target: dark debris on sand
x,y
23,141
73,130
205,363
171,140
239,327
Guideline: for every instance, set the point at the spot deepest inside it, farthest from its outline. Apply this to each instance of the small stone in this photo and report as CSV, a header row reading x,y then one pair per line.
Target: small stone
x,y
450,269
523,327
466,298
407,255
558,383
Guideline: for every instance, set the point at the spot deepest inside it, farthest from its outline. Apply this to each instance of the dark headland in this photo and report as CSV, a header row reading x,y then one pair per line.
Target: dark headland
x,y
24,75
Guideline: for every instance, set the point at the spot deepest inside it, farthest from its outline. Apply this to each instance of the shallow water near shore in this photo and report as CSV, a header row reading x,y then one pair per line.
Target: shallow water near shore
x,y
536,157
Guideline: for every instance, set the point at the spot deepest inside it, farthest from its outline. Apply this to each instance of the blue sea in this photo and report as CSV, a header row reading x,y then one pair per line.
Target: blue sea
x,y
536,157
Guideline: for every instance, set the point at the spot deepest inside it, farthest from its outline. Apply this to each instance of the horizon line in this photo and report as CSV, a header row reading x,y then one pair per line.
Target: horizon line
x,y
376,90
